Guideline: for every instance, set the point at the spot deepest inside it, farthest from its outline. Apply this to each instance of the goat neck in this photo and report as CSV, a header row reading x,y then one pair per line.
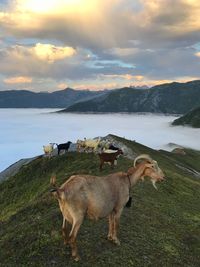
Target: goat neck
x,y
137,173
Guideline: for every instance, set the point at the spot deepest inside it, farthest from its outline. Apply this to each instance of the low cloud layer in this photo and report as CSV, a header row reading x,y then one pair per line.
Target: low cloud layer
x,y
26,141
91,41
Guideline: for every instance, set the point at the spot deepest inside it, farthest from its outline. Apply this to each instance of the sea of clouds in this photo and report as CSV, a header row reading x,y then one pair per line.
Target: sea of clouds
x,y
24,131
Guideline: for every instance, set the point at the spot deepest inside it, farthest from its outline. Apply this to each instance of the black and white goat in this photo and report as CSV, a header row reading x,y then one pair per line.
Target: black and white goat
x,y
64,146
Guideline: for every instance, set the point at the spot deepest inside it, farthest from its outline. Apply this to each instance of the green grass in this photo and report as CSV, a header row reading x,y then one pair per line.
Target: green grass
x,y
162,228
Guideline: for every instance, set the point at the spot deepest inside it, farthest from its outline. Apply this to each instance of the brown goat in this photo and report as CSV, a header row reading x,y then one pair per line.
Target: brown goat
x,y
109,157
98,197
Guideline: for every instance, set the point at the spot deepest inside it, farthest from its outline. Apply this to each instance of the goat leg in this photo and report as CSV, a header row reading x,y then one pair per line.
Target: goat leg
x,y
112,164
116,218
74,249
72,238
110,224
65,231
101,166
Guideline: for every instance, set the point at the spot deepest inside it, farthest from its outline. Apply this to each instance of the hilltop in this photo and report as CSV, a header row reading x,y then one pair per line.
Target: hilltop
x,y
172,98
192,118
161,228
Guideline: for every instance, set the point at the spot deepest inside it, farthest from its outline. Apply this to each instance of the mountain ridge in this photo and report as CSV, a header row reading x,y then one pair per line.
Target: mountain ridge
x,y
169,98
173,98
58,99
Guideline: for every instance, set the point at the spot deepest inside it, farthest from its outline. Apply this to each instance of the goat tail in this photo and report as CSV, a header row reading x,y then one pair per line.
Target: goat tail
x,y
53,183
53,180
55,190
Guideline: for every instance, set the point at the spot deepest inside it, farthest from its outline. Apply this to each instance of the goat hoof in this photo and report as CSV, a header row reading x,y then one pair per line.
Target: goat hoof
x,y
116,242
109,238
76,258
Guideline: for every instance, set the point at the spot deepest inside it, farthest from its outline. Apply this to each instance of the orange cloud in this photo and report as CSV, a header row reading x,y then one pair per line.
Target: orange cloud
x,y
56,6
52,53
95,87
158,82
138,77
19,79
62,85
123,76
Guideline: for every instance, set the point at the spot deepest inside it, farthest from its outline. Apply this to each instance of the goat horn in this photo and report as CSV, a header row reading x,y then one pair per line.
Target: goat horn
x,y
142,156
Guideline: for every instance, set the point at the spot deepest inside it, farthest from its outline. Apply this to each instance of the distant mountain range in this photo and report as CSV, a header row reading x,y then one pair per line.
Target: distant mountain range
x,y
191,118
59,99
173,98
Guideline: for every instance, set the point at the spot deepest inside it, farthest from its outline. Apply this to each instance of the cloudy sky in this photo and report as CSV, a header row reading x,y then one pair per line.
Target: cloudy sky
x,y
97,44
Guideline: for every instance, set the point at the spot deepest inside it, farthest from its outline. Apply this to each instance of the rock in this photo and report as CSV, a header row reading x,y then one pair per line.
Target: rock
x,y
179,150
128,152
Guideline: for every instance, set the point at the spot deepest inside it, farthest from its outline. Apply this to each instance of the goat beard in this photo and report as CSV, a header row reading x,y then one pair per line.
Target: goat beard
x,y
154,184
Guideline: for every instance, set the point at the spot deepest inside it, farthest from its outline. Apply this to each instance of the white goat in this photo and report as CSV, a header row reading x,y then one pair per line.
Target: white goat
x,y
48,149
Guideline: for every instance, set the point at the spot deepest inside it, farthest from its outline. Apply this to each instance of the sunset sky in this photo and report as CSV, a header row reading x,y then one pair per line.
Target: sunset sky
x,y
97,44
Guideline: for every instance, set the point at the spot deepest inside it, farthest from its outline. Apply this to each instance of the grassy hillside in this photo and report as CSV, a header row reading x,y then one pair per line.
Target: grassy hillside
x,y
160,229
192,118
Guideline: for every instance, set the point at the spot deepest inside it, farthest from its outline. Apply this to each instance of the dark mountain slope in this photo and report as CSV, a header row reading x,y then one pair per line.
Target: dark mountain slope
x,y
167,98
192,118
59,99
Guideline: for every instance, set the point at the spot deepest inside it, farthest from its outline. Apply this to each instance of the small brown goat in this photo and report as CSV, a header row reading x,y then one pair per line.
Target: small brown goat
x,y
99,197
109,158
